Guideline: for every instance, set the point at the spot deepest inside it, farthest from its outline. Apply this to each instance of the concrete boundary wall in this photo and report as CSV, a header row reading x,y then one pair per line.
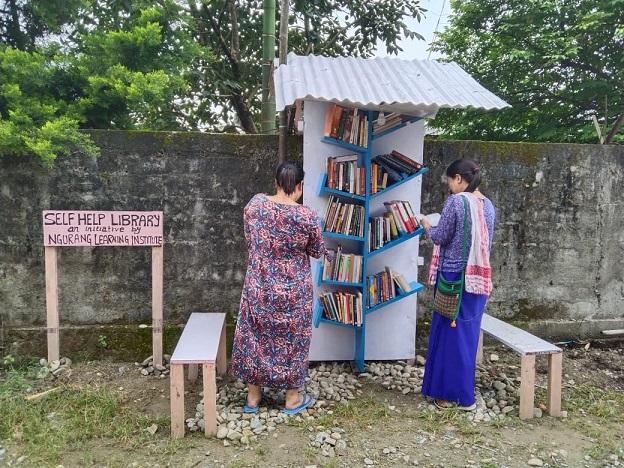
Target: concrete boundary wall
x,y
557,253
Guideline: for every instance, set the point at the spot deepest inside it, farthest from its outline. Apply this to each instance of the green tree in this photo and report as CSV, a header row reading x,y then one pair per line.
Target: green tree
x,y
231,86
557,62
126,67
32,119
159,64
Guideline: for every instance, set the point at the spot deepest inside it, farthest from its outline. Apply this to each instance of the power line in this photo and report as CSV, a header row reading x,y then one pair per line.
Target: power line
x,y
435,32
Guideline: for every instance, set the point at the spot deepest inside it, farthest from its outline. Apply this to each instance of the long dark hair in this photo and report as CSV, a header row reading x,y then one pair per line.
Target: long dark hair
x,y
468,169
289,174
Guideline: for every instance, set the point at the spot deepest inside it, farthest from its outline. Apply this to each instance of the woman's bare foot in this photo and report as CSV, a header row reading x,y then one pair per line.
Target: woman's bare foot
x,y
293,399
254,395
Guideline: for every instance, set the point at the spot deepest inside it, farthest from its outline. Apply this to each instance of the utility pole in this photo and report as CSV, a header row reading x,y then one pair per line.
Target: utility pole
x,y
268,56
283,53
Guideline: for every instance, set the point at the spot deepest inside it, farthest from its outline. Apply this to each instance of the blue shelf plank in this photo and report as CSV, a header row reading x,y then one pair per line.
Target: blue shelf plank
x,y
340,193
321,184
317,313
322,188
343,283
400,182
415,288
343,236
338,324
393,129
397,241
344,144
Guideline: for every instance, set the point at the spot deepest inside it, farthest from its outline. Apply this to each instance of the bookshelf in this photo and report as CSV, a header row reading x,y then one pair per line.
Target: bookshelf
x,y
388,328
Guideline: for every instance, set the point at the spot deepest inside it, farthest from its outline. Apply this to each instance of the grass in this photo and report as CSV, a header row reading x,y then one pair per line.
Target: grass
x,y
362,412
66,418
607,406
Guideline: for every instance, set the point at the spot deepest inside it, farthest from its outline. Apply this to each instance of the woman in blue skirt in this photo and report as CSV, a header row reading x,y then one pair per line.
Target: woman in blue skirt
x,y
451,358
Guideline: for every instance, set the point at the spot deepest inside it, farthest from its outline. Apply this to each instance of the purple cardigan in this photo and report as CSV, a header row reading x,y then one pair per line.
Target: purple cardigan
x,y
449,233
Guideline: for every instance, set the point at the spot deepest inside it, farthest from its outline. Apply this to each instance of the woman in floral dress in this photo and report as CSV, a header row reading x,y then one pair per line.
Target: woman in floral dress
x,y
272,338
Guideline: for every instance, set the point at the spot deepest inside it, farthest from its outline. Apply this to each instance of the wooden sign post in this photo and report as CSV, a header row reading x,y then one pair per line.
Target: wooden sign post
x,y
103,228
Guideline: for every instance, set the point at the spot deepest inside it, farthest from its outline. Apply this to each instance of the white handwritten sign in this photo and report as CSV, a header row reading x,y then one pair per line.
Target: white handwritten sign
x,y
102,228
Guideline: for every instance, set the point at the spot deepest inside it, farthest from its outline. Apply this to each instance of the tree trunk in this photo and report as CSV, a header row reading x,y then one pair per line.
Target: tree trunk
x,y
616,126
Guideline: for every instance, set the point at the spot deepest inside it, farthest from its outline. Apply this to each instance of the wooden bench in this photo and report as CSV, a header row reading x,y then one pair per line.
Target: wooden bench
x,y
528,346
202,342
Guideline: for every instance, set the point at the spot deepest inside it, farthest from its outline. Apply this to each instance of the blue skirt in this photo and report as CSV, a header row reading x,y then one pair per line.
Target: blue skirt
x,y
451,357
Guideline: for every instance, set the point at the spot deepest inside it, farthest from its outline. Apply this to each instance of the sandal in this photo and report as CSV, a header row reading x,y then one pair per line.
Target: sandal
x,y
442,404
307,401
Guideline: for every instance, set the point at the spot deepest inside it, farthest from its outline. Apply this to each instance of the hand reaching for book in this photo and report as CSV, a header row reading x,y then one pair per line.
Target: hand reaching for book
x,y
329,255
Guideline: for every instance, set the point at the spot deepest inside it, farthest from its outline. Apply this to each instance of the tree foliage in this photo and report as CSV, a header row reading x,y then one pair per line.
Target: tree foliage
x,y
557,62
159,64
231,31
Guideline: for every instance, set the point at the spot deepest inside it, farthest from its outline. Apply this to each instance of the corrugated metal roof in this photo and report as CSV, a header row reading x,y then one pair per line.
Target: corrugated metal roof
x,y
418,87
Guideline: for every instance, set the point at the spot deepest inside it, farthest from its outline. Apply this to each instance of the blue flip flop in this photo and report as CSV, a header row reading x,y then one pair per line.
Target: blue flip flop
x,y
308,399
253,409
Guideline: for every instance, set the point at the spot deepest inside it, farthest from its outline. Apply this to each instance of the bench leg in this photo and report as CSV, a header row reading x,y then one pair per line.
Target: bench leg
x,y
480,349
210,399
222,353
527,386
192,372
176,395
555,365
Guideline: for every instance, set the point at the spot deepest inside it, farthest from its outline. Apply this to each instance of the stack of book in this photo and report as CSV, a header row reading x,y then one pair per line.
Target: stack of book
x,y
397,166
403,216
398,221
342,307
344,218
347,124
385,286
344,174
391,120
344,267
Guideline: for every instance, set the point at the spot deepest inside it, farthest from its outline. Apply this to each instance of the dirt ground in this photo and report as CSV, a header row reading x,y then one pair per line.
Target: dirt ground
x,y
410,433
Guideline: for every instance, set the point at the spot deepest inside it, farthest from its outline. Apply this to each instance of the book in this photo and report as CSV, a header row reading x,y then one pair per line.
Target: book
x,y
329,118
410,213
406,160
397,165
392,208
401,282
393,175
335,126
405,219
433,219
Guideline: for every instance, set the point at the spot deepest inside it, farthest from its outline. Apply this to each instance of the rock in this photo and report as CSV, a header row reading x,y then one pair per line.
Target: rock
x,y
222,432
535,462
152,429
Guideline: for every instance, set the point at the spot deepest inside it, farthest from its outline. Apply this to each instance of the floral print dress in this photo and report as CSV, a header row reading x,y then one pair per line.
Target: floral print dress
x,y
274,327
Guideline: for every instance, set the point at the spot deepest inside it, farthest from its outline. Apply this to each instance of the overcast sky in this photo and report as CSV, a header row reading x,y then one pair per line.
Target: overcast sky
x,y
437,11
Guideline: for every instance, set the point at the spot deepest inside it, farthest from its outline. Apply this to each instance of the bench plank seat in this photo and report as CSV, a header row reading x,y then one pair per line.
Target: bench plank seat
x,y
517,339
202,342
528,346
